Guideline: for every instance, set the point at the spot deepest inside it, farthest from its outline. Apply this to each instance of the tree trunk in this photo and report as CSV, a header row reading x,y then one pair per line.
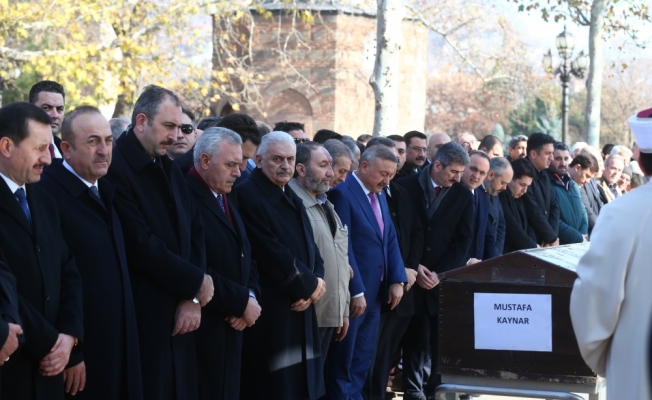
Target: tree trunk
x,y
385,78
596,67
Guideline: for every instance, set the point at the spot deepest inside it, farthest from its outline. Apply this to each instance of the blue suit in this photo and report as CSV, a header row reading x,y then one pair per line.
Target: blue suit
x,y
373,256
496,221
483,244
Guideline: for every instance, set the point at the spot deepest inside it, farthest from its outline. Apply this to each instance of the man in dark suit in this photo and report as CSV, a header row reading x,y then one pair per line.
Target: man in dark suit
x,y
582,170
394,323
187,136
243,125
499,175
50,97
110,358
48,283
540,201
228,261
164,237
445,209
519,234
281,353
378,269
416,153
483,244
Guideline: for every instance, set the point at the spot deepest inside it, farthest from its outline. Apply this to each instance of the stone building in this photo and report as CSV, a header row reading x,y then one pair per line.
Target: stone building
x,y
335,54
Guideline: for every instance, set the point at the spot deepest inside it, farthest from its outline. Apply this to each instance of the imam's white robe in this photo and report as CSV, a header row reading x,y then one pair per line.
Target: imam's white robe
x,y
611,303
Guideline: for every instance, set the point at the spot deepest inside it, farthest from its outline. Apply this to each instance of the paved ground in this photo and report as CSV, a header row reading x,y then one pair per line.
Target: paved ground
x,y
496,397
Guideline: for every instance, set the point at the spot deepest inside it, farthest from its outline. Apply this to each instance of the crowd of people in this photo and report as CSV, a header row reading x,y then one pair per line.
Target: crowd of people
x,y
161,258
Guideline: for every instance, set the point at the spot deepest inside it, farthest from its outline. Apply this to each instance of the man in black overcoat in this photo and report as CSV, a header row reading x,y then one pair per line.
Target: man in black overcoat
x,y
228,262
164,237
109,365
10,330
281,352
48,283
445,209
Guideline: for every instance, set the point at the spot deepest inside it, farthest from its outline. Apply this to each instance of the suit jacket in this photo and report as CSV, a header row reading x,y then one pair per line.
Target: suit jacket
x,y
519,234
49,290
409,234
229,263
591,199
186,161
542,208
483,243
447,234
281,352
372,255
111,351
164,238
407,170
496,221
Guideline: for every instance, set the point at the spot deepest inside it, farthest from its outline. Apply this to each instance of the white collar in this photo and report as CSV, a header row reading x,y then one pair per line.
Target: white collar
x,y
364,188
57,153
87,183
13,186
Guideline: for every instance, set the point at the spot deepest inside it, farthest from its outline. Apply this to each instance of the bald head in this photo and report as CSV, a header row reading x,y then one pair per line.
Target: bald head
x,y
435,141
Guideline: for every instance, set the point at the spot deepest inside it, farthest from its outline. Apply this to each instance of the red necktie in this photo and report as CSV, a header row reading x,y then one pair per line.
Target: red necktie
x,y
437,190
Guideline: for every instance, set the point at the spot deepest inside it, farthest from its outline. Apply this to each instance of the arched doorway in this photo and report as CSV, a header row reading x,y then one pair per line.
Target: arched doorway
x,y
292,106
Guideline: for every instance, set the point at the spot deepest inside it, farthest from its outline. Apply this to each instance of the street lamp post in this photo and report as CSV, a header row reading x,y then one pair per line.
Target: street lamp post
x,y
565,45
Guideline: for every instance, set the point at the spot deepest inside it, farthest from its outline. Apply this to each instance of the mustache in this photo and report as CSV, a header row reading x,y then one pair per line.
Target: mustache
x,y
101,159
168,142
284,171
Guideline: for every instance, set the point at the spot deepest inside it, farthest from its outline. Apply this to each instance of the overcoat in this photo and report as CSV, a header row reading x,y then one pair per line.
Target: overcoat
x,y
519,234
496,220
611,302
281,352
8,302
590,196
447,233
573,221
94,235
229,263
49,290
164,238
542,208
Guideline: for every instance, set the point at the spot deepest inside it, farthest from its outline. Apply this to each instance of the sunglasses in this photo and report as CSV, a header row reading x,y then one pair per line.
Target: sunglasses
x,y
301,140
186,129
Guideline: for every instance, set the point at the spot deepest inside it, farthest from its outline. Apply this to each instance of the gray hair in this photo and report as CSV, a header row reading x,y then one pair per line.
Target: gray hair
x,y
149,102
276,137
617,149
516,139
350,143
337,149
498,165
377,152
614,157
376,140
118,126
211,141
451,152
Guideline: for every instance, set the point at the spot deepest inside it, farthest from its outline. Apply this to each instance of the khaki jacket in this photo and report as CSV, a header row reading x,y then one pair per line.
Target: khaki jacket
x,y
335,303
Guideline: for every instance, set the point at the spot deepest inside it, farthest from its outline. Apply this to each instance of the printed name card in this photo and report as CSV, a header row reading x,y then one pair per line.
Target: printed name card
x,y
507,321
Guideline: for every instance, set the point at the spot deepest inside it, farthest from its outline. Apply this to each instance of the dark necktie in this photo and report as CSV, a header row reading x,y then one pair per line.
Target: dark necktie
x,y
329,217
437,190
51,148
95,195
224,205
22,200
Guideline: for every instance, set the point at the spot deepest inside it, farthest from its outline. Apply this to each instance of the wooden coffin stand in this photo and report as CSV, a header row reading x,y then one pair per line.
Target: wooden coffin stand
x,y
536,374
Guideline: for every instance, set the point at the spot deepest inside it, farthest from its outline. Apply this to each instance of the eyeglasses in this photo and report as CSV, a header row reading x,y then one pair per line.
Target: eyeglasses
x,y
186,129
300,140
418,149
